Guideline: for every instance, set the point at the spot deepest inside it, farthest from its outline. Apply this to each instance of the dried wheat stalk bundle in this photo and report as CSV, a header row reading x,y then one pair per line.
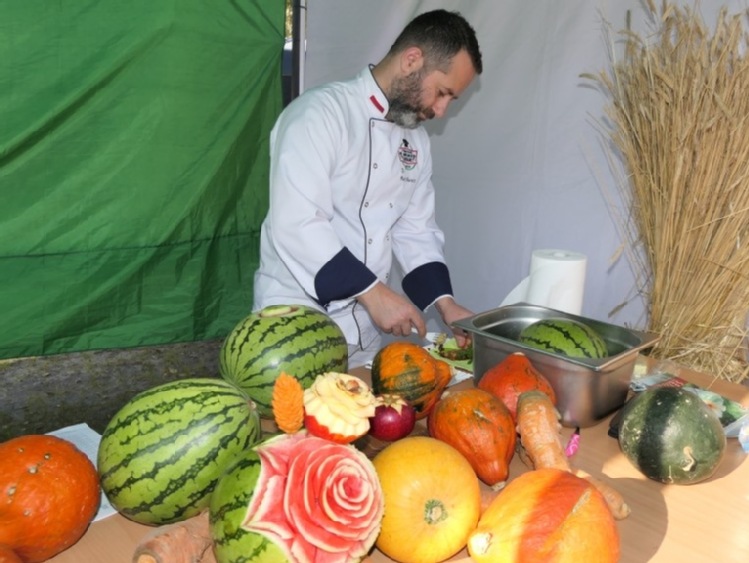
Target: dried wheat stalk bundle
x,y
678,115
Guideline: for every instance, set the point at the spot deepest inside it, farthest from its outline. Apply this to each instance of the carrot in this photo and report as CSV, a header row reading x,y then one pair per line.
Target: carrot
x,y
288,403
183,542
541,442
614,499
538,425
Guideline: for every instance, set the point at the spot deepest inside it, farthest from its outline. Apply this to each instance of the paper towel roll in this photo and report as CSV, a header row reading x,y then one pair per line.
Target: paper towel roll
x,y
556,280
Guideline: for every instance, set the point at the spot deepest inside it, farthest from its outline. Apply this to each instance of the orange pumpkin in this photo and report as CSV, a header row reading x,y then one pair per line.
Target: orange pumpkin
x,y
480,427
7,555
514,375
432,500
49,493
407,369
546,515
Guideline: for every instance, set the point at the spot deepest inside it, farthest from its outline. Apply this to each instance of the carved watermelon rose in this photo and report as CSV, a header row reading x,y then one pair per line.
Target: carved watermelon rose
x,y
307,499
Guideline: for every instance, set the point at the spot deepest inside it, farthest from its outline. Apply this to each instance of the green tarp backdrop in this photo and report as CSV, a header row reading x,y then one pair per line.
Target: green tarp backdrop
x,y
133,168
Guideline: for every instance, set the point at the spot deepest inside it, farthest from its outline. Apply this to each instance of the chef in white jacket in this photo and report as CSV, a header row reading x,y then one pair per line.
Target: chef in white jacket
x,y
350,188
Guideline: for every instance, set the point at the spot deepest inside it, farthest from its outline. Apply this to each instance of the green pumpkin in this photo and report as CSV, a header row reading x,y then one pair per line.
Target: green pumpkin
x,y
671,436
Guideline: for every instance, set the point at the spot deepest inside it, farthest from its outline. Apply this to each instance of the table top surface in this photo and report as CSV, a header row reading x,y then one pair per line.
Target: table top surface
x,y
707,521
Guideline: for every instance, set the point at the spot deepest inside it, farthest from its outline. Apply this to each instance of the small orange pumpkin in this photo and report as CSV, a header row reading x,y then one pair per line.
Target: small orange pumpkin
x,y
511,377
546,515
432,500
49,493
480,427
407,369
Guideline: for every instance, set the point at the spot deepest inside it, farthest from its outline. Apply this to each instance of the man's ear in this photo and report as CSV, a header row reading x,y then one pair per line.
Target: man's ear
x,y
412,60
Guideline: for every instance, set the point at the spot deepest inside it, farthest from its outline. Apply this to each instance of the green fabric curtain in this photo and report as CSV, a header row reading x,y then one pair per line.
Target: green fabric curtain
x,y
133,168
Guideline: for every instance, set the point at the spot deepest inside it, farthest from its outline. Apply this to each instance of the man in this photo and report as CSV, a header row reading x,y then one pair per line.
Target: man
x,y
350,187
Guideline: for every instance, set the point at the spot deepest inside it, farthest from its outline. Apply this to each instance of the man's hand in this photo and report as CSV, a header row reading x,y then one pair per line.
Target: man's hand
x,y
391,312
450,312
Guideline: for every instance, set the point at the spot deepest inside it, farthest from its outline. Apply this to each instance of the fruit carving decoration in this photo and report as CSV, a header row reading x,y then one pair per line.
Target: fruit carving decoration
x,y
337,407
297,498
306,495
288,403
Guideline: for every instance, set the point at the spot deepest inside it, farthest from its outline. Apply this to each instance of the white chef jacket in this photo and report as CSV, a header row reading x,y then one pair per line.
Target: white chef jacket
x,y
348,191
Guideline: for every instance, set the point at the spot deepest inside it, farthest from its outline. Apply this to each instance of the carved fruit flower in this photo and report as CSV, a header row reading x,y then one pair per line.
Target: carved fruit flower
x,y
337,407
297,498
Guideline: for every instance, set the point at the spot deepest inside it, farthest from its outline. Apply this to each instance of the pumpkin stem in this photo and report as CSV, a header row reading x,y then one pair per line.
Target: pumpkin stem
x,y
480,543
689,462
434,512
496,487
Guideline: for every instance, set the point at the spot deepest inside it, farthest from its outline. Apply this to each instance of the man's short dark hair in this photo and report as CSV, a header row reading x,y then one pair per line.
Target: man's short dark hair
x,y
440,35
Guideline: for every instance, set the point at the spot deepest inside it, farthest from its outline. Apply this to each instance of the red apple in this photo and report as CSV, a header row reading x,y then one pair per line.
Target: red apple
x,y
393,419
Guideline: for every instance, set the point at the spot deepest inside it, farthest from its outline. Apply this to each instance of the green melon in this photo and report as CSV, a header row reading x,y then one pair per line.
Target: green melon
x,y
298,340
670,435
565,337
162,453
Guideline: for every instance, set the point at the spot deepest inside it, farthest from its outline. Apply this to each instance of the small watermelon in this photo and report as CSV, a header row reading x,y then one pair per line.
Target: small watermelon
x,y
162,453
564,336
670,435
298,340
296,497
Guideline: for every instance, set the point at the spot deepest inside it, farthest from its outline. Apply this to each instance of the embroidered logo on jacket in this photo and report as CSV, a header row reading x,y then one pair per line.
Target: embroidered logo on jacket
x,y
408,156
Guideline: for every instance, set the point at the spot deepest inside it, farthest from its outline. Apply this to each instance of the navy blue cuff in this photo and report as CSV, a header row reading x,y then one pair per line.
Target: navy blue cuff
x,y
342,277
426,283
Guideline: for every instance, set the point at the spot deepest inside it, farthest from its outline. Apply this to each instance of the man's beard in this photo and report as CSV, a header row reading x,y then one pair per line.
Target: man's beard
x,y
405,99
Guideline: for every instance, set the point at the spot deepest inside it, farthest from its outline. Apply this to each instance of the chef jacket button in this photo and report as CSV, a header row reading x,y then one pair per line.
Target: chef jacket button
x,y
374,165
366,204
391,204
387,276
369,241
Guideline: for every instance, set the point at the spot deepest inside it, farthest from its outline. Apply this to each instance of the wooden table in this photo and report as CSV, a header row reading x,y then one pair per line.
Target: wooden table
x,y
705,522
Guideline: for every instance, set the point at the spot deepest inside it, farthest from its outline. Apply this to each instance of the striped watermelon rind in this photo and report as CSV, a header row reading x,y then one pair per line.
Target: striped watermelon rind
x,y
228,509
565,337
162,454
295,339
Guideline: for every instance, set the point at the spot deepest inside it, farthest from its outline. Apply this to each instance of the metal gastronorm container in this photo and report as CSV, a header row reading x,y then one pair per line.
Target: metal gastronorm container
x,y
587,389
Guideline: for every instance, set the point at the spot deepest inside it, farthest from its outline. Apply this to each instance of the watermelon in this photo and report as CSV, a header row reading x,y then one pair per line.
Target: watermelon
x,y
228,508
298,340
162,453
565,337
670,435
296,497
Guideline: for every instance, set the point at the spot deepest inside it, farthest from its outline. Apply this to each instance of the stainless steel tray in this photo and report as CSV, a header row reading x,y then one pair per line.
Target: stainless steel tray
x,y
587,389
